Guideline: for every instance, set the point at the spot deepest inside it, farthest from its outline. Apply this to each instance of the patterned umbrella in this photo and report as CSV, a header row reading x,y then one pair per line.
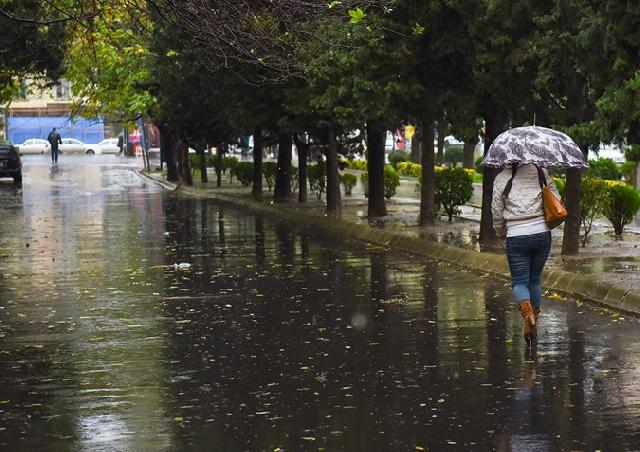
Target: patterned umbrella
x,y
544,147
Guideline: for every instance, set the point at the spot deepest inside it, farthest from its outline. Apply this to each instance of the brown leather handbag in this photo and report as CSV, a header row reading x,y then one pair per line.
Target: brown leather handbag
x,y
554,212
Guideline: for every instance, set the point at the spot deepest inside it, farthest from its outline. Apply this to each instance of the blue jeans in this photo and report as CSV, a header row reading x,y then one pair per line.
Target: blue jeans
x,y
54,154
527,255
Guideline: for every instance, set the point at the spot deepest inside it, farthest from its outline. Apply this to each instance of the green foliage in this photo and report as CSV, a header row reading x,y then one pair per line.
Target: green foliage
x,y
396,157
621,205
453,188
348,181
561,185
28,50
593,200
357,165
110,65
244,173
454,155
230,164
604,168
628,170
391,181
364,180
632,153
410,169
194,161
478,165
357,15
269,171
317,175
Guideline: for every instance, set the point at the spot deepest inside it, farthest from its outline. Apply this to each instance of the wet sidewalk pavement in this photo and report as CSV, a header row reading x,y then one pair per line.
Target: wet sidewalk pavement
x,y
272,337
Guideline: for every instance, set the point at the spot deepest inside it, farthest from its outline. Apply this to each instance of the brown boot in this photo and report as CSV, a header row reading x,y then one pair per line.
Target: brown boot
x,y
529,322
536,314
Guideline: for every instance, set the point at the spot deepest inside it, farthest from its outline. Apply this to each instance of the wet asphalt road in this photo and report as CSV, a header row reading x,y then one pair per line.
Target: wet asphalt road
x,y
274,338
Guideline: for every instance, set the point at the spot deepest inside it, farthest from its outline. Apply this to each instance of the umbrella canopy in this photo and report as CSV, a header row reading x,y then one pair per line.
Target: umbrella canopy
x,y
544,147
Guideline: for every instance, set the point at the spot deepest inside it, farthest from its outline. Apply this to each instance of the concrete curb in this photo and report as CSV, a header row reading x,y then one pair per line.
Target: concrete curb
x,y
569,284
163,183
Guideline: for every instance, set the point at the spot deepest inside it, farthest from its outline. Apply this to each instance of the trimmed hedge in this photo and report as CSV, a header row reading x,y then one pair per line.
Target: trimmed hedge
x,y
621,205
348,182
453,188
244,173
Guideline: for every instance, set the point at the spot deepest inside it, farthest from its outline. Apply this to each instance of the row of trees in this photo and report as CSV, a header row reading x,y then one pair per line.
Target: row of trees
x,y
207,71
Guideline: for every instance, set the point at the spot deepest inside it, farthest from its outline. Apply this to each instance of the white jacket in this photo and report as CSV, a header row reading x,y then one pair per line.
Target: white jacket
x,y
524,203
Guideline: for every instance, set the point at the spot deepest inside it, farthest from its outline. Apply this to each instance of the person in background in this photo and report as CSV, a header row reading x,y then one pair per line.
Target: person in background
x,y
54,140
121,144
518,215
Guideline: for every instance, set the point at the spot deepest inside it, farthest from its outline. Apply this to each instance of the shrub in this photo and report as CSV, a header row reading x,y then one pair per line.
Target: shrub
x,y
403,168
453,188
628,170
244,173
561,185
317,175
230,164
364,180
621,205
358,165
478,165
348,182
391,181
410,169
454,155
632,153
594,197
194,161
396,157
269,171
604,169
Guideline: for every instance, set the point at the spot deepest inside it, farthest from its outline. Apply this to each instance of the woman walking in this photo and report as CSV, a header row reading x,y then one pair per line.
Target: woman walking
x,y
518,215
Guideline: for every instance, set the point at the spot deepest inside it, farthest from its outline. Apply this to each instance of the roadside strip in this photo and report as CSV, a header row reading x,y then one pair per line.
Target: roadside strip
x,y
580,287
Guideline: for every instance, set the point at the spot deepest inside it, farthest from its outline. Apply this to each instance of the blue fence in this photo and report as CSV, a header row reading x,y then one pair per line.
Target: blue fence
x,y
20,129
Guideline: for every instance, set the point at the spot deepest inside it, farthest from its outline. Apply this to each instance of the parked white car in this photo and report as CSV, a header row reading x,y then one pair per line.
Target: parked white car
x,y
73,146
34,146
109,146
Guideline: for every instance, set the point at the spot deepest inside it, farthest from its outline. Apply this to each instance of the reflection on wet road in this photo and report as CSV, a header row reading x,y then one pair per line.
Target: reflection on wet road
x,y
274,337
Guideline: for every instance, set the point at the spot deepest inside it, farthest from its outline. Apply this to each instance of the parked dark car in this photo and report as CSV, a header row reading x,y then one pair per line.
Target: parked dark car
x,y
10,163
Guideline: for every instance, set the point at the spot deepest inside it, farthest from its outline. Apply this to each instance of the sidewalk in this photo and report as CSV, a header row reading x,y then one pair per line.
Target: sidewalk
x,y
607,273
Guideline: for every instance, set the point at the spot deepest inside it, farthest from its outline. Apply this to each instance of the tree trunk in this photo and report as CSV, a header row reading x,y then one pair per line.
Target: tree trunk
x,y
282,190
303,157
494,126
427,201
417,145
187,177
203,168
257,163
441,136
469,148
571,238
167,145
219,152
334,201
375,166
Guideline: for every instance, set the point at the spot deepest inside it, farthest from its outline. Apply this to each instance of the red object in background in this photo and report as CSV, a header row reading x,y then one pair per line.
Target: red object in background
x,y
154,136
399,140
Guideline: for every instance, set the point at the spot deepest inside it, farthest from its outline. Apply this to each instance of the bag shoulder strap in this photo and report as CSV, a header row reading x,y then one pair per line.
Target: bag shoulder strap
x,y
541,178
507,188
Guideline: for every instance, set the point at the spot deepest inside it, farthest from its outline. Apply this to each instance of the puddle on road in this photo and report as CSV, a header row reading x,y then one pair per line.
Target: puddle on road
x,y
278,338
